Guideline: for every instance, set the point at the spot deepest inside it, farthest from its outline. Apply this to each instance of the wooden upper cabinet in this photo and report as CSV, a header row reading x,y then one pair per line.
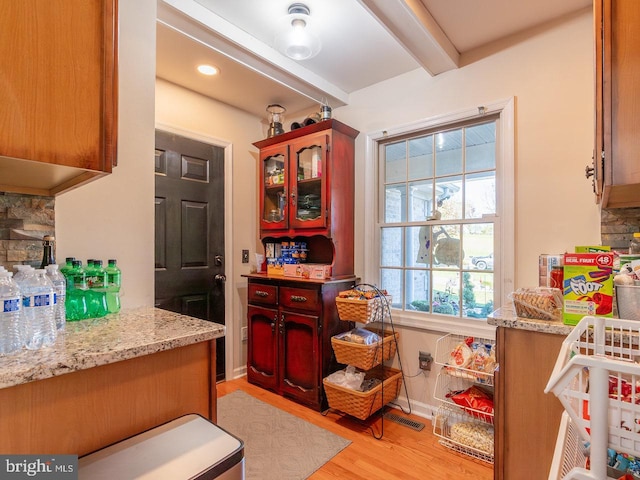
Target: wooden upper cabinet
x,y
58,91
617,42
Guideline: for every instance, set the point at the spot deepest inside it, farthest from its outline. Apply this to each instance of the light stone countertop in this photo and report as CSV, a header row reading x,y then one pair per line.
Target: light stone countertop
x,y
100,341
506,317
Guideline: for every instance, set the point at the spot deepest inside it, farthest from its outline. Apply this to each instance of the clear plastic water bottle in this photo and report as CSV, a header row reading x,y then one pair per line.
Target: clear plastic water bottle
x,y
60,287
114,281
11,339
97,293
38,310
21,273
76,300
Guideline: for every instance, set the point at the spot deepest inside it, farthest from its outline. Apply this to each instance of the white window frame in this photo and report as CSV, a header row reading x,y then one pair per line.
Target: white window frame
x,y
504,268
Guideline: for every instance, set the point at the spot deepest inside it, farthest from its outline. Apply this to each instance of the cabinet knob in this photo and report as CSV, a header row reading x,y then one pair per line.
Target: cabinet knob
x,y
589,171
260,293
298,298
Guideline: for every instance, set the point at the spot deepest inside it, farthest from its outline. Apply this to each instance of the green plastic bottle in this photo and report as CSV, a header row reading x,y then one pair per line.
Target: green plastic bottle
x,y
114,281
76,301
96,290
68,265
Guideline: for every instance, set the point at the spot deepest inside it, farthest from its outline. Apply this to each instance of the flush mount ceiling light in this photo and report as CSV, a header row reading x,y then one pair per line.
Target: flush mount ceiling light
x,y
295,37
208,69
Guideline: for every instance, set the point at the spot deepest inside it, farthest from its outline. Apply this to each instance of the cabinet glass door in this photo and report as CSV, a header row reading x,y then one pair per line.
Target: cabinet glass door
x,y
309,203
274,179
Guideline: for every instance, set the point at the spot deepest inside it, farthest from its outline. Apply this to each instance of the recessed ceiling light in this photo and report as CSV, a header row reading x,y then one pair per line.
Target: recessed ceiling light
x,y
208,70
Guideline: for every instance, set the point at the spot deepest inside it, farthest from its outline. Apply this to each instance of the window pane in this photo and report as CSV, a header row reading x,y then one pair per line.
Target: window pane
x,y
449,153
420,200
417,290
446,293
480,194
391,247
421,157
434,258
391,281
395,162
478,246
446,251
418,246
395,201
480,143
477,294
449,197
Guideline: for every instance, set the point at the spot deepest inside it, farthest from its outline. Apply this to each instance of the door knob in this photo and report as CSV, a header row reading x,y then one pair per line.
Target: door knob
x,y
220,278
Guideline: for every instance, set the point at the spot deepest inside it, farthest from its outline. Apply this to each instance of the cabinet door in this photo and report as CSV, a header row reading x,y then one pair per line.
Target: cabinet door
x,y
262,343
274,178
59,82
618,67
308,173
300,357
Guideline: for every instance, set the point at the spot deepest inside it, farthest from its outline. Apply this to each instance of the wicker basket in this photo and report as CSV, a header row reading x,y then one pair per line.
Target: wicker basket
x,y
363,311
362,356
364,404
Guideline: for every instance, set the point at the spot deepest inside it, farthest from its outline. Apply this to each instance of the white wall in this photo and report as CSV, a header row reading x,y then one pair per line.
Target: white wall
x,y
551,76
204,117
113,217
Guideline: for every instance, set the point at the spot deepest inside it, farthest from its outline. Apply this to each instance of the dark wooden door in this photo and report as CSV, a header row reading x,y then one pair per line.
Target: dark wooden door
x,y
299,357
189,231
262,347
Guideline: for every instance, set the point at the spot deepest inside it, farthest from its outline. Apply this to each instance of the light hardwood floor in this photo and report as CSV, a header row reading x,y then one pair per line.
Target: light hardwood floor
x,y
401,453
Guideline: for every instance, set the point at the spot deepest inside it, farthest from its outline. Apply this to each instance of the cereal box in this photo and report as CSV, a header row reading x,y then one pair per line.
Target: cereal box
x,y
587,286
592,248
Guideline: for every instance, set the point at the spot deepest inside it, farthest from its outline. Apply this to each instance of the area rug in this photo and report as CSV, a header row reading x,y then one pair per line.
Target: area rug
x,y
278,445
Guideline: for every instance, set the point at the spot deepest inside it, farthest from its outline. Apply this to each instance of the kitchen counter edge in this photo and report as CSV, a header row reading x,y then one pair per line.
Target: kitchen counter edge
x,y
506,317
100,341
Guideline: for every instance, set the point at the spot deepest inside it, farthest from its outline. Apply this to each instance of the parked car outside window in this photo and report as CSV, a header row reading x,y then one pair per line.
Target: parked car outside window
x,y
483,262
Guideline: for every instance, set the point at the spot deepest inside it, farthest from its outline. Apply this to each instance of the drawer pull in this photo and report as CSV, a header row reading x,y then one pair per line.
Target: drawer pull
x,y
298,298
260,293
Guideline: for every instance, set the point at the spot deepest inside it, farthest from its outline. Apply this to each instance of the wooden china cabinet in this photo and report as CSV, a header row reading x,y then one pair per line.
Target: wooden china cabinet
x,y
306,195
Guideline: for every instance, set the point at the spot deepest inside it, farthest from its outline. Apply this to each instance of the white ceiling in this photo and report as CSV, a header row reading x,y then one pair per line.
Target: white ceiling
x,y
363,42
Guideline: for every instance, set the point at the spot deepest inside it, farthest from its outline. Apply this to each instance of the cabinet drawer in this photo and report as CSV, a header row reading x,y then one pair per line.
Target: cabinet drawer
x,y
263,294
300,298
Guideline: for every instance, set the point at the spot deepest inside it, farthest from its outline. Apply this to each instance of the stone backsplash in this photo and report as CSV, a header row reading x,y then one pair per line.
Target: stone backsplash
x,y
24,220
618,225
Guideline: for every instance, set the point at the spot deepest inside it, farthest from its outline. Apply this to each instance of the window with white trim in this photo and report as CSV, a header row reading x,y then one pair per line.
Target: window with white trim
x,y
445,216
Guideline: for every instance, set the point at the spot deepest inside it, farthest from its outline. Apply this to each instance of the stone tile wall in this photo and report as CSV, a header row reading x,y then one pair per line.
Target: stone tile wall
x,y
24,220
618,226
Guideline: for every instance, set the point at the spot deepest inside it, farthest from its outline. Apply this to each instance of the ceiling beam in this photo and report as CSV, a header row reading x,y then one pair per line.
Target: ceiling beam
x,y
411,24
201,24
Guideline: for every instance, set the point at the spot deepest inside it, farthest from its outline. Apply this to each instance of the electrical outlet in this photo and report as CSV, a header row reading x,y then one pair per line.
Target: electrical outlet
x,y
245,256
243,333
425,360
